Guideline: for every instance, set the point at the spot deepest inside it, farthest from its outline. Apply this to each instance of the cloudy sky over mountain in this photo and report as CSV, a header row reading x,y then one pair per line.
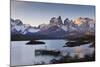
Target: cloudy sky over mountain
x,y
36,13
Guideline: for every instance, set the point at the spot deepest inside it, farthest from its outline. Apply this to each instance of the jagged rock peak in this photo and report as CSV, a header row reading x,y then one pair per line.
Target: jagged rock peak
x,y
67,21
56,21
60,20
16,22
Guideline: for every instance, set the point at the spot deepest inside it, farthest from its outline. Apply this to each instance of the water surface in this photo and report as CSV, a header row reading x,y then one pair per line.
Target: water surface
x,y
22,54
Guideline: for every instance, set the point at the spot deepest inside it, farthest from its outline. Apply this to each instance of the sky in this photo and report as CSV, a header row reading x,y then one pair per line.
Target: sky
x,y
36,13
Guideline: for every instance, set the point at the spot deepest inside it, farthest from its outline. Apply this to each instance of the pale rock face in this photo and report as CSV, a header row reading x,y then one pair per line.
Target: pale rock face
x,y
79,20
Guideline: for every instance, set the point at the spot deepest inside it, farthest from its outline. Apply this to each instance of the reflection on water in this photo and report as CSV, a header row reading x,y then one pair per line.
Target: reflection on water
x,y
22,54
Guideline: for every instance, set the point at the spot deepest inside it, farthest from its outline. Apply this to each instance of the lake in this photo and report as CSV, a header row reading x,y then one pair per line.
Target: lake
x,y
22,54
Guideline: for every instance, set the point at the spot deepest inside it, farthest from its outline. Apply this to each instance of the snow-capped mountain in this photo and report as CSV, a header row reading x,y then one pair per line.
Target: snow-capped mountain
x,y
56,27
85,24
17,27
16,22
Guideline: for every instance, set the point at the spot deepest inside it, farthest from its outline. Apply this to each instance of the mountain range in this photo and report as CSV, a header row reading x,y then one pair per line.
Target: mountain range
x,y
56,29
